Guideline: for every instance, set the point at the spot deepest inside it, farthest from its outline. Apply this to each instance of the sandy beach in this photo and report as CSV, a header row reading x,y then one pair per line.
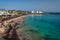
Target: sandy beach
x,y
14,19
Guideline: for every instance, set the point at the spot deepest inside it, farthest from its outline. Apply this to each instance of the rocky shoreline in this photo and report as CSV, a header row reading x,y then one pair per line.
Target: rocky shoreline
x,y
17,32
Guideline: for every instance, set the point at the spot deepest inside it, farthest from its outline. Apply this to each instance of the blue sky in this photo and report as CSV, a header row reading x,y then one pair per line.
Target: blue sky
x,y
44,5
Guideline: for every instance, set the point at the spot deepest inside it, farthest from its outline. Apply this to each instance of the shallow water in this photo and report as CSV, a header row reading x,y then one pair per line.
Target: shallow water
x,y
45,27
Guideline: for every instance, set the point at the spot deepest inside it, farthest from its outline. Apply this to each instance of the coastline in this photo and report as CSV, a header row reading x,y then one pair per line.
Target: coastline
x,y
18,19
14,19
20,30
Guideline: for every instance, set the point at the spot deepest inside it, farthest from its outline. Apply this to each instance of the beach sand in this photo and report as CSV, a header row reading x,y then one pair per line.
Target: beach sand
x,y
18,19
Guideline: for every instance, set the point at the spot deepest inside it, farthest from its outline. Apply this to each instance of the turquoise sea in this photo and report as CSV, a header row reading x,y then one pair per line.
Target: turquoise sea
x,y
42,27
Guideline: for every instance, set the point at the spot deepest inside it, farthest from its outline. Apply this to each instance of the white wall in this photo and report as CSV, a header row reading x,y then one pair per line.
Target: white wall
x,y
3,13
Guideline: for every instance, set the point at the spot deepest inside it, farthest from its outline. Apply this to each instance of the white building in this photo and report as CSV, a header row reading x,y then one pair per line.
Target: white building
x,y
4,12
32,12
36,12
40,12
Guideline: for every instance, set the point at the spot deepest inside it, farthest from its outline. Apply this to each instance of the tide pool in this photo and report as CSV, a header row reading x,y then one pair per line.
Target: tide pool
x,y
45,27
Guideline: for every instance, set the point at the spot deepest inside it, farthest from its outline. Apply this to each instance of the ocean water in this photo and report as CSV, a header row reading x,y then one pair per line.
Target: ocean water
x,y
42,27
